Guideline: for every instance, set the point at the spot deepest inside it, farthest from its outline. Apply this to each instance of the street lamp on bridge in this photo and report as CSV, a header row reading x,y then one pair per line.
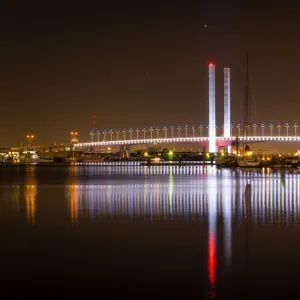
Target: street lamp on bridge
x,y
238,129
111,134
193,130
165,129
278,128
151,132
179,128
263,129
231,129
98,135
104,135
186,130
117,133
295,126
130,133
201,129
157,132
172,131
124,134
271,129
92,135
144,130
254,129
287,129
137,133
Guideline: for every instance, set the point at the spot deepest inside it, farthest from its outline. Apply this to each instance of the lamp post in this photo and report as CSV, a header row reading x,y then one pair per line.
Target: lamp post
x,y
295,127
30,137
144,130
287,129
130,133
165,129
151,132
193,130
262,129
104,135
117,133
137,133
92,135
271,129
216,130
72,134
254,128
98,135
124,134
231,129
111,134
278,128
157,132
223,133
201,129
172,131
238,129
247,130
186,130
178,129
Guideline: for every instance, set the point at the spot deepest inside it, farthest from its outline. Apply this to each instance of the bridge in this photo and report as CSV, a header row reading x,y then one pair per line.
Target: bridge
x,y
220,141
259,133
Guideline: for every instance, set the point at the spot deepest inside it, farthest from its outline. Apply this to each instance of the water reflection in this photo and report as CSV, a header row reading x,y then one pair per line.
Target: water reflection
x,y
235,199
246,197
30,194
212,195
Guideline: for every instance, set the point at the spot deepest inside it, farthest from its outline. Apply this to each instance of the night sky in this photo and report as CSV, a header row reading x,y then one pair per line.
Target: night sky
x,y
141,63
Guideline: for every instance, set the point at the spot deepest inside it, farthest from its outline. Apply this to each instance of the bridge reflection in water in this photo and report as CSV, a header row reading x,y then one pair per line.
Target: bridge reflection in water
x,y
274,198
244,197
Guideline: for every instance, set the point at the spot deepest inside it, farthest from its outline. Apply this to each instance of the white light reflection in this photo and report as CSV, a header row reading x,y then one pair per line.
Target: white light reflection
x,y
227,214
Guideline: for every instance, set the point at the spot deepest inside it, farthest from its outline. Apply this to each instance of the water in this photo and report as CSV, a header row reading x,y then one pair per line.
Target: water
x,y
138,233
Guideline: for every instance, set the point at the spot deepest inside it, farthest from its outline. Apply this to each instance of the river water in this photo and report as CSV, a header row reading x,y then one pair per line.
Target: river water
x,y
136,232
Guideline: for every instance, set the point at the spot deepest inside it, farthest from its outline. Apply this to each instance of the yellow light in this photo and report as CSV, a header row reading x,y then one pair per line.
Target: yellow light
x,y
146,154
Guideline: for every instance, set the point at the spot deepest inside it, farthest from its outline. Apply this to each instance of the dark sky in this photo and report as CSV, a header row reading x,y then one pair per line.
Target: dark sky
x,y
140,63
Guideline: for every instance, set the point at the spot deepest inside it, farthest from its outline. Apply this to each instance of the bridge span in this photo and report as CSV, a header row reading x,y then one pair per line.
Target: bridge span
x,y
220,141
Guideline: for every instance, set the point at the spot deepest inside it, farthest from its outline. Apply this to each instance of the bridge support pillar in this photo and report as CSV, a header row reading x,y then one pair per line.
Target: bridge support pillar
x,y
212,108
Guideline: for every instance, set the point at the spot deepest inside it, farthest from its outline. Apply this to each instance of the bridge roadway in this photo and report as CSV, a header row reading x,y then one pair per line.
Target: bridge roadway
x,y
221,141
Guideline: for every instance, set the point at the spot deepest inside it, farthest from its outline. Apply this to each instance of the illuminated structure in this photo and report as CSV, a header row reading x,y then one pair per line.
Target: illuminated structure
x,y
74,137
226,102
30,137
212,108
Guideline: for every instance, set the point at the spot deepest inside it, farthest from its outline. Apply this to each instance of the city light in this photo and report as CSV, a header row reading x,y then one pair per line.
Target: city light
x,y
30,137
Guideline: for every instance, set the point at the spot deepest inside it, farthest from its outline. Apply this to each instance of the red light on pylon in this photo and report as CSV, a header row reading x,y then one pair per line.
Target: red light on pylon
x,y
211,64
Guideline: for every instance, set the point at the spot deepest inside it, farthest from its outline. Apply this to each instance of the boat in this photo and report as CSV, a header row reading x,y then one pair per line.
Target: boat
x,y
284,162
46,159
245,162
246,159
228,161
28,157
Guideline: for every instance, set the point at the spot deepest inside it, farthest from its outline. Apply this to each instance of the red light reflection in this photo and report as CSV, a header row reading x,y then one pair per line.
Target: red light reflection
x,y
212,264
